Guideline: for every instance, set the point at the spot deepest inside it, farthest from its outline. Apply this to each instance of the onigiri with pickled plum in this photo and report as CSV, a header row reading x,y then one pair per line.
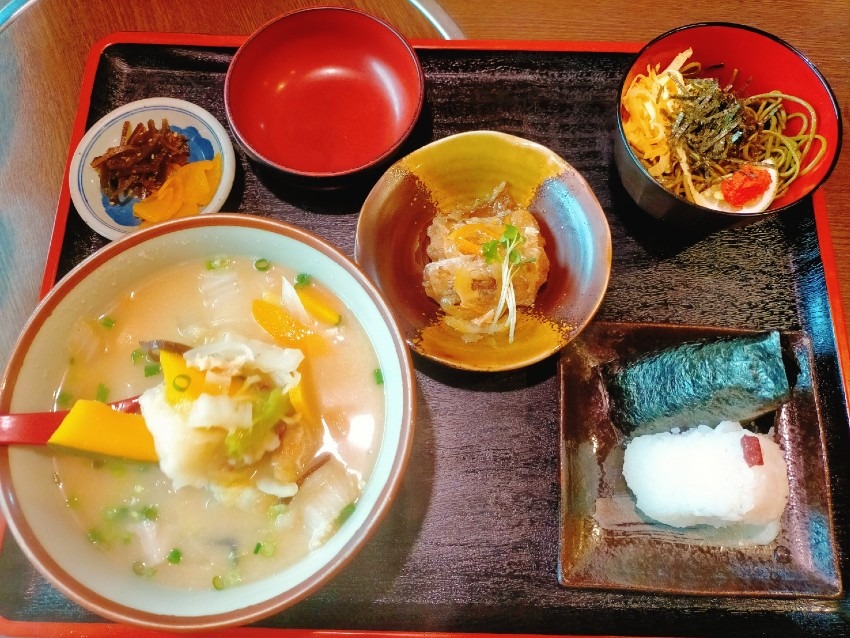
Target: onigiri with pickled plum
x,y
720,476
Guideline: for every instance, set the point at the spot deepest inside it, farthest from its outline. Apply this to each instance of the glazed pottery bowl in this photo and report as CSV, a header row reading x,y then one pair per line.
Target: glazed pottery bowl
x,y
750,62
323,93
44,523
454,172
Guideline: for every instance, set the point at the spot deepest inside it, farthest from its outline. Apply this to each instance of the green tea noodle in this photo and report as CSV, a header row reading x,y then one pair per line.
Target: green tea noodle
x,y
675,117
787,152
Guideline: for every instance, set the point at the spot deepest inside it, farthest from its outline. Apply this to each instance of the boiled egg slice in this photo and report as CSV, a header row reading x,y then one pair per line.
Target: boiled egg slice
x,y
713,197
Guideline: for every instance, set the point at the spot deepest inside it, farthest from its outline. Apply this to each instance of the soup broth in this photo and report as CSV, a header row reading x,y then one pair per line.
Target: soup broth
x,y
191,537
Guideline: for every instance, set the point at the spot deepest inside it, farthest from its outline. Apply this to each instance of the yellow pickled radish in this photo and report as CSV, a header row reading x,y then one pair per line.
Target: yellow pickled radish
x,y
197,189
213,169
186,191
318,307
92,426
186,210
163,204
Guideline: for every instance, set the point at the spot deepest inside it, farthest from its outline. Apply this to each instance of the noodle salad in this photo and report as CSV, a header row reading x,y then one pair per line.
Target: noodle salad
x,y
703,143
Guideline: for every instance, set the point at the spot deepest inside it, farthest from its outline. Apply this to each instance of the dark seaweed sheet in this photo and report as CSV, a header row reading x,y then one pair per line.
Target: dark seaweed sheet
x,y
730,378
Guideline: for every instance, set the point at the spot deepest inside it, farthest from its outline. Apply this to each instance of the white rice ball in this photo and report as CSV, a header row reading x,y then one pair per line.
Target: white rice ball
x,y
701,477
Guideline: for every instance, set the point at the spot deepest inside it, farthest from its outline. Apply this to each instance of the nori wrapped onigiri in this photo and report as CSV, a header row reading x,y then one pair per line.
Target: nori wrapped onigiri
x,y
725,379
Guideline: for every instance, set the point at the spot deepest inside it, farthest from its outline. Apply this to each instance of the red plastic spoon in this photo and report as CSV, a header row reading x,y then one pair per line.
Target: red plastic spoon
x,y
36,428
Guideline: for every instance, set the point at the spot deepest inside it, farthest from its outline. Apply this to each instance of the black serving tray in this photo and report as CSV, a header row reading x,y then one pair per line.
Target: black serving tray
x,y
472,542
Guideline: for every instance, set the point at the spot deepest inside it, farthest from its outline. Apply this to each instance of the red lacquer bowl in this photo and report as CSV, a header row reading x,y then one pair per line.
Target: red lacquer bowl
x,y
323,92
764,63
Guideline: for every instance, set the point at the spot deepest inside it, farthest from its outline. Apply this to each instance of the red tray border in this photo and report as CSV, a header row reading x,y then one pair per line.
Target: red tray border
x,y
103,630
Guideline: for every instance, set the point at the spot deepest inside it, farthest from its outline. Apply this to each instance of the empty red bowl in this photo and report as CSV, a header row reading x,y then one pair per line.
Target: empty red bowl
x,y
323,92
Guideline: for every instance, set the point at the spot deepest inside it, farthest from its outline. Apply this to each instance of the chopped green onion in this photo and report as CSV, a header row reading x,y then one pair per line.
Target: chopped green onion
x,y
115,467
174,556
150,513
96,537
303,280
262,264
265,548
106,321
102,393
218,583
137,355
344,514
63,399
116,513
152,369
181,382
217,263
379,376
278,509
140,569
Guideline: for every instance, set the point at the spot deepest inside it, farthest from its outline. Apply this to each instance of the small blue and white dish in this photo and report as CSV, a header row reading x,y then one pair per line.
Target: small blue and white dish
x,y
206,137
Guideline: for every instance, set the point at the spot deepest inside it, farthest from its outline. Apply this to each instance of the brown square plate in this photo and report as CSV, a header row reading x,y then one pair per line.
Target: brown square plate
x,y
607,544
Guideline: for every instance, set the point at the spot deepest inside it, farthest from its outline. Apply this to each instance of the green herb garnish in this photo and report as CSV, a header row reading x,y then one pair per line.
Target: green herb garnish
x,y
506,250
303,280
379,376
262,264
106,321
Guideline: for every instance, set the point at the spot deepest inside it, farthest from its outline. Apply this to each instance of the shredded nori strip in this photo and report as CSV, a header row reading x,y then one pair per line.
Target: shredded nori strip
x,y
713,124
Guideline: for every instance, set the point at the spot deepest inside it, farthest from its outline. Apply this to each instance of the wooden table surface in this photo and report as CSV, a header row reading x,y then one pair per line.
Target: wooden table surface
x,y
42,53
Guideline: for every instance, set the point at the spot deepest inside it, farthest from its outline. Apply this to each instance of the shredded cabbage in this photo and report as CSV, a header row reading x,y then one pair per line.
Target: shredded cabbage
x,y
216,438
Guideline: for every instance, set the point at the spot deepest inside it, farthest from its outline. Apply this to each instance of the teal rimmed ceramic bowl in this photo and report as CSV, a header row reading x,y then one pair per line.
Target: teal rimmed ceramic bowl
x,y
35,510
